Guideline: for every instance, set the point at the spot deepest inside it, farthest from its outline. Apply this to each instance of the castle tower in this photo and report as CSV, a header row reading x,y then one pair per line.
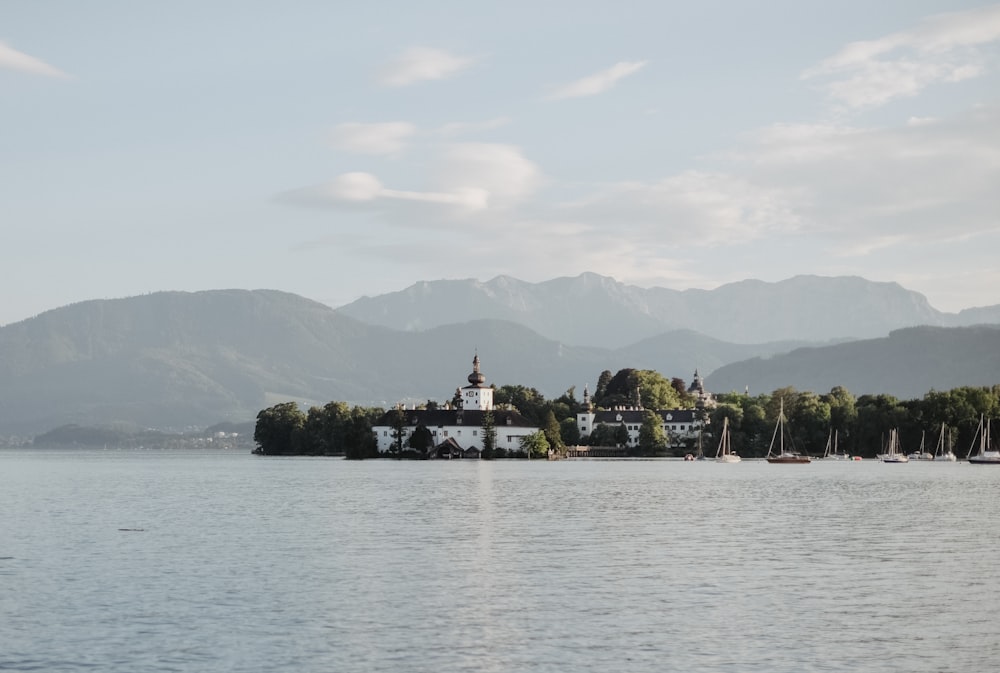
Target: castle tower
x,y
477,395
585,418
702,397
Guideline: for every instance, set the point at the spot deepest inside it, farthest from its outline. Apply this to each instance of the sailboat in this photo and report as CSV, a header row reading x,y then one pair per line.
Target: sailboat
x,y
893,454
783,455
920,454
725,452
942,452
987,455
831,452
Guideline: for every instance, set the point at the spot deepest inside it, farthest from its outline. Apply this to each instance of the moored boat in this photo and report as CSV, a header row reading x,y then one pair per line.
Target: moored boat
x,y
987,455
831,452
893,454
920,454
942,452
783,455
725,454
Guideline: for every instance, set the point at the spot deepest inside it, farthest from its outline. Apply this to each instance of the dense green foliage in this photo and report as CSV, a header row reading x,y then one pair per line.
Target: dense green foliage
x,y
860,423
332,430
631,387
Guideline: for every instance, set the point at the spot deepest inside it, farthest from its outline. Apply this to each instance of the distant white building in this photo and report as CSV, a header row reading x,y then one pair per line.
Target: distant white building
x,y
679,425
458,429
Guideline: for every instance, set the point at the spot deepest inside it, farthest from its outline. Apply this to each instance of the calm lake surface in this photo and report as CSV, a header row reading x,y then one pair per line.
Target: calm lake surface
x,y
233,562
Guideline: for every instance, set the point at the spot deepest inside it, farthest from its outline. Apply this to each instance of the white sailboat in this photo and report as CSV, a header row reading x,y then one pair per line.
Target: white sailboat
x,y
942,452
920,454
986,455
725,454
783,455
893,454
831,452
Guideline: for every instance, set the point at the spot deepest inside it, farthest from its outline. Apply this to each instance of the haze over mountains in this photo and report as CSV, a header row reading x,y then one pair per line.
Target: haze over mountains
x,y
178,360
596,310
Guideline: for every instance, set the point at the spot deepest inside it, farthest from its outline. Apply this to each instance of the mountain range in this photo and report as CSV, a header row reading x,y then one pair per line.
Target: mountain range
x,y
593,310
178,360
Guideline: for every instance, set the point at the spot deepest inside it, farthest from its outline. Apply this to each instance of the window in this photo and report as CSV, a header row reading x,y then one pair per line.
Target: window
x,y
475,433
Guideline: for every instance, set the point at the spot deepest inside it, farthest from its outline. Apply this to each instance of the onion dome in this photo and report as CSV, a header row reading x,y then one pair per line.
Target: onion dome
x,y
476,378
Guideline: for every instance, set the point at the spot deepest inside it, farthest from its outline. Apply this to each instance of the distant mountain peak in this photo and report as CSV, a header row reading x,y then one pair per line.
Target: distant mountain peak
x,y
595,310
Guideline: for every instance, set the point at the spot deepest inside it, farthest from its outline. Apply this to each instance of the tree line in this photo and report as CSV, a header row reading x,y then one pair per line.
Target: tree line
x,y
861,423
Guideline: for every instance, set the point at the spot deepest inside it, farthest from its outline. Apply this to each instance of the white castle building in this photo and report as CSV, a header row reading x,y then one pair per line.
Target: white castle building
x,y
678,424
461,429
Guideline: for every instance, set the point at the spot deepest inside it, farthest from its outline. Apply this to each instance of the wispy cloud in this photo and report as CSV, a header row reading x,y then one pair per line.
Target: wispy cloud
x,y
599,82
364,191
464,128
420,64
943,48
13,59
869,188
695,208
467,178
379,138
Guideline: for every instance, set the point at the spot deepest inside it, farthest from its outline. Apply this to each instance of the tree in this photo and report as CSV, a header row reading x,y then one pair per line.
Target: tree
x,y
489,432
356,432
528,401
398,423
653,389
278,429
535,445
569,431
602,386
552,432
843,412
810,424
421,439
652,437
602,435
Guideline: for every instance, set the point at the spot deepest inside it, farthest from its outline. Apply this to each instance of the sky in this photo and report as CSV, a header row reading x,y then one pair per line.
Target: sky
x,y
342,149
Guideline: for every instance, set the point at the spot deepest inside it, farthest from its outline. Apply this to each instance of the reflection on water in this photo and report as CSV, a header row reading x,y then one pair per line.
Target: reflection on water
x,y
241,563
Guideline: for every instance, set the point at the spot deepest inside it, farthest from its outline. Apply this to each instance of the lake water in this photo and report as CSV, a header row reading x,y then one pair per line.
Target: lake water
x,y
234,562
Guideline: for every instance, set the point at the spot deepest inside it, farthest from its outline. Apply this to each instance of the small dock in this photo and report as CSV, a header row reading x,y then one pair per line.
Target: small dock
x,y
595,452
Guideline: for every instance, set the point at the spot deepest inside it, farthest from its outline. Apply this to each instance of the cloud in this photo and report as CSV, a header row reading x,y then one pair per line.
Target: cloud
x,y
865,188
365,191
599,82
382,138
466,178
942,48
463,128
692,208
420,64
501,170
12,59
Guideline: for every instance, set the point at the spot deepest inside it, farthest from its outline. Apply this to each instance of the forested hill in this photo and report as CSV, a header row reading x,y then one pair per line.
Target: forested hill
x,y
176,360
907,364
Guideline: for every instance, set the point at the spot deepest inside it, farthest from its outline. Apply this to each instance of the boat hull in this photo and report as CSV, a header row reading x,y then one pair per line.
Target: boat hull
x,y
790,460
